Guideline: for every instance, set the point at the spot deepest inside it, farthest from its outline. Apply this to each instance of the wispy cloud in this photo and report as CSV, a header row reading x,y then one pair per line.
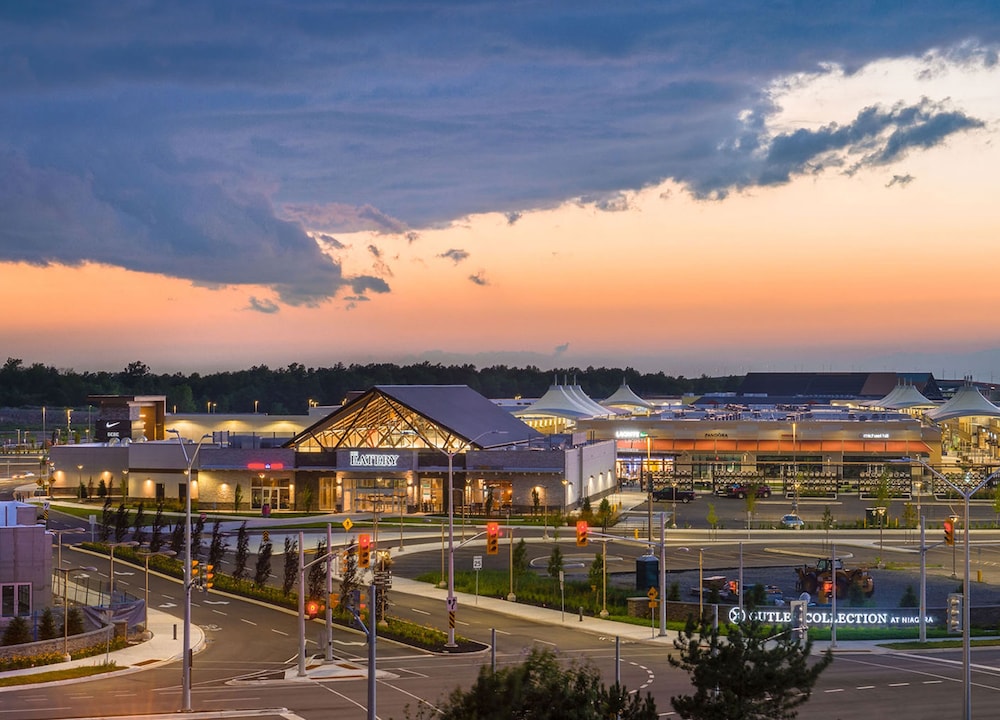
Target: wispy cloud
x,y
455,255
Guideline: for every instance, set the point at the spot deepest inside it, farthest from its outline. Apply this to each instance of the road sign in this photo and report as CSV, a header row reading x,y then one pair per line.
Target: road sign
x,y
452,604
653,604
382,577
652,593
477,562
347,524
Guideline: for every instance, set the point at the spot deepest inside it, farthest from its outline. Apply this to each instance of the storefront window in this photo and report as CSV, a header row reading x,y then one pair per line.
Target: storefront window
x,y
273,492
15,599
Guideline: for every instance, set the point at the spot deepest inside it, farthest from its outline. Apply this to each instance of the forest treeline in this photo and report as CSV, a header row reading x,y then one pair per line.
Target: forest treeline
x,y
289,390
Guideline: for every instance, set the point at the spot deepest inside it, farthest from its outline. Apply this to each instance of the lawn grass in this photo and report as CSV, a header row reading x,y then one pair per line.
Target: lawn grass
x,y
53,675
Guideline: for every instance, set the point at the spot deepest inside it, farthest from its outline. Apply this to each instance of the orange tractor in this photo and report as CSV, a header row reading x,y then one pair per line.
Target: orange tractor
x,y
818,580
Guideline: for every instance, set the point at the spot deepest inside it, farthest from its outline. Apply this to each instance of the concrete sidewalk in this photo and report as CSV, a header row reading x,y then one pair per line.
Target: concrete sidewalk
x,y
165,646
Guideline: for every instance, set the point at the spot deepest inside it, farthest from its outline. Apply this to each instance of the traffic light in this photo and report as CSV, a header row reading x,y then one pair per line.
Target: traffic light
x,y
949,532
581,532
953,611
364,550
800,620
313,608
195,571
209,576
492,538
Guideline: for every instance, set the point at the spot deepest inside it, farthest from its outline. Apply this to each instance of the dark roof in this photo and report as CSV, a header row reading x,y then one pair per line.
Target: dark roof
x,y
463,411
832,385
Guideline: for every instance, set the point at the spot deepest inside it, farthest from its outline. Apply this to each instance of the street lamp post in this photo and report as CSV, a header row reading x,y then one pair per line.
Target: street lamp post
x,y
59,541
66,571
186,663
146,554
111,577
452,602
966,488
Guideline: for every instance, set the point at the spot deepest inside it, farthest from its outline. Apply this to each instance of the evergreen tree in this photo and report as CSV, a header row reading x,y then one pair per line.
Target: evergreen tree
x,y
520,559
539,689
316,580
177,537
107,518
291,566
17,632
555,562
74,618
138,524
197,528
121,523
217,547
242,553
349,573
156,534
102,489
262,571
47,629
751,673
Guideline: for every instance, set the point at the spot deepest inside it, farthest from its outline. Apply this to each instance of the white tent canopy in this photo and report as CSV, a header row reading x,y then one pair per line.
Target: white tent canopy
x,y
624,397
967,401
902,397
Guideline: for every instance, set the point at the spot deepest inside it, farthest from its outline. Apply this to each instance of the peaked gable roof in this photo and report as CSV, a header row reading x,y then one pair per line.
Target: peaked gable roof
x,y
625,397
446,417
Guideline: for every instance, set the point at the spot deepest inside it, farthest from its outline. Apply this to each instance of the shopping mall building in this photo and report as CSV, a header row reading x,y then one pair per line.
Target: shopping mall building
x,y
394,448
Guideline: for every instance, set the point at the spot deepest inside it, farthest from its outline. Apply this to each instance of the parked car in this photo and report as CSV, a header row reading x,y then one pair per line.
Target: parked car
x,y
742,490
792,521
671,494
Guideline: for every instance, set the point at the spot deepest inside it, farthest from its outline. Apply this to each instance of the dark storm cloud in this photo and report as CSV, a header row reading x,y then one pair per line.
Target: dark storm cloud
x,y
455,255
197,140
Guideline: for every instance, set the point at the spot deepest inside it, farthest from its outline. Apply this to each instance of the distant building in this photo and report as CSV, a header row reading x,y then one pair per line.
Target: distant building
x,y
25,561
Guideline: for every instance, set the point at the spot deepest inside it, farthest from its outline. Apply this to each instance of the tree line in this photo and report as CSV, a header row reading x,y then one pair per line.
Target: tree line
x,y
289,390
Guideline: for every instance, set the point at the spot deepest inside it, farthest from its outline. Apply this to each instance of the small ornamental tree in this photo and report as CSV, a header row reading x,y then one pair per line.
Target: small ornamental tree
x,y
262,571
107,518
177,537
156,533
316,580
555,562
17,632
242,553
291,575
121,523
138,524
752,673
217,548
197,528
349,573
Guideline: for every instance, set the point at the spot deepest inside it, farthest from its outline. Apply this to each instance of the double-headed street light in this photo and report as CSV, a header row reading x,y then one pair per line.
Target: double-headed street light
x,y
65,597
968,486
59,541
186,663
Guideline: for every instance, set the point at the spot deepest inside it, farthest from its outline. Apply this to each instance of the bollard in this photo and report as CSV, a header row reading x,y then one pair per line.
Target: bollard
x,y
581,613
175,631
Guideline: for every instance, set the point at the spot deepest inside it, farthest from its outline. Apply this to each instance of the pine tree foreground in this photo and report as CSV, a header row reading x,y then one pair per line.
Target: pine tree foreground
x,y
539,689
756,672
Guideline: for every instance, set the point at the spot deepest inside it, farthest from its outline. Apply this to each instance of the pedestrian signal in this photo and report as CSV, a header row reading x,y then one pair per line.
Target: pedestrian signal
x,y
949,532
364,550
492,538
314,608
581,533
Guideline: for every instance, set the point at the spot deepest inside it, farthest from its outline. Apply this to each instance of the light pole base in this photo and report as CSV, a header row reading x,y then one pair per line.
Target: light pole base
x,y
604,613
67,657
511,597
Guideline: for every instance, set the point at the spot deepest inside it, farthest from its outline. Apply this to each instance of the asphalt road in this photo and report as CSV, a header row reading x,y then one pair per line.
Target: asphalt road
x,y
249,644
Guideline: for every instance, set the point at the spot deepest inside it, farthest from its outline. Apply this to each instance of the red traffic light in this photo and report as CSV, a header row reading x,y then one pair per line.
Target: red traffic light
x,y
582,530
492,538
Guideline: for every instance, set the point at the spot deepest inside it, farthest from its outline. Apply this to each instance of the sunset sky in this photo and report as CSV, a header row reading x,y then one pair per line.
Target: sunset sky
x,y
686,187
